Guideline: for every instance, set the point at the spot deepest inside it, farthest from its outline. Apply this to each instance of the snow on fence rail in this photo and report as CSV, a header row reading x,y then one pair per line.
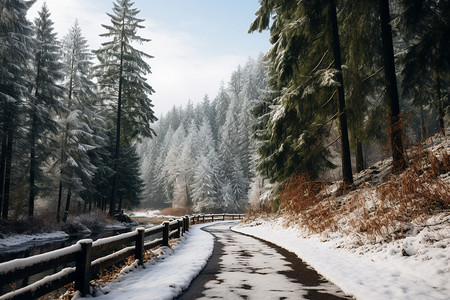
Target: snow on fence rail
x,y
90,258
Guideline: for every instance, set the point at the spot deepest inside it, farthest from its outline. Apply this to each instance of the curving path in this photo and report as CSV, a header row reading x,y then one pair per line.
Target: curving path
x,y
243,267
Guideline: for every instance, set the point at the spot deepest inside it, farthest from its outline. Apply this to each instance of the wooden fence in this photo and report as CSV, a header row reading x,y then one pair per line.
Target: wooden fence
x,y
86,259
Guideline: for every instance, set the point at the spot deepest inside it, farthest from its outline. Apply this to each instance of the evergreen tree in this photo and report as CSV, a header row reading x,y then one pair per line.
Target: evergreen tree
x,y
425,24
303,84
221,103
130,183
171,167
82,121
205,182
121,79
15,43
363,76
45,102
342,114
231,150
392,99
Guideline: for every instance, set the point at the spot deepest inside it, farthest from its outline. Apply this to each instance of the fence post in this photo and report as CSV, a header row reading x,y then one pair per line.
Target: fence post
x,y
187,223
183,225
212,218
203,218
140,245
83,267
179,228
165,241
224,217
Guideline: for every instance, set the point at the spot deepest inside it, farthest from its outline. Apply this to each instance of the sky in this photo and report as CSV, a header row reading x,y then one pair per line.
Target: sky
x,y
196,44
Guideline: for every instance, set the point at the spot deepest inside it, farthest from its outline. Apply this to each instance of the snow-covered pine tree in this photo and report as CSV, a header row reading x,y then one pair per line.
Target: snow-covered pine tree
x,y
221,103
303,82
46,101
205,181
16,43
230,152
122,83
81,122
170,170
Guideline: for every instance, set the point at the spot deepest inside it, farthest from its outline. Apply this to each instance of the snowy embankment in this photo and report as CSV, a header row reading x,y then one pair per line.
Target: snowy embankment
x,y
415,267
167,274
19,239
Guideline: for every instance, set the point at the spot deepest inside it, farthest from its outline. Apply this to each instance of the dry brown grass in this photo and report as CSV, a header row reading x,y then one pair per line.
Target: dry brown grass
x,y
371,211
106,275
175,211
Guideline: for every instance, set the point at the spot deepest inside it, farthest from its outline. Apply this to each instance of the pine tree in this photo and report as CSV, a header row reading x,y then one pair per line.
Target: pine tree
x,y
426,26
205,182
221,103
231,150
342,114
303,83
15,43
46,101
121,79
171,166
82,122
363,76
131,185
392,99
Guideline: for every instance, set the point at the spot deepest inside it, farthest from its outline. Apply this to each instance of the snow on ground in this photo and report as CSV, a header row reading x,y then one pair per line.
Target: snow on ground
x,y
165,276
145,214
18,239
379,271
416,267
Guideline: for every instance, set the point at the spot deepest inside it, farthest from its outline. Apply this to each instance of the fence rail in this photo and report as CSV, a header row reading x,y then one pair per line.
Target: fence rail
x,y
91,258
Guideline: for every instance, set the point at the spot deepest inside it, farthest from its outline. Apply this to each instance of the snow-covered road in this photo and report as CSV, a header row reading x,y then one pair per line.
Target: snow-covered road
x,y
243,267
247,268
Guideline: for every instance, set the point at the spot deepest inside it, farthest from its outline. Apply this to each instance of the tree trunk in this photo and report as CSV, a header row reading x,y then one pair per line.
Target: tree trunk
x,y
119,208
359,156
423,132
392,99
32,170
439,102
59,201
66,212
345,145
2,169
112,202
9,145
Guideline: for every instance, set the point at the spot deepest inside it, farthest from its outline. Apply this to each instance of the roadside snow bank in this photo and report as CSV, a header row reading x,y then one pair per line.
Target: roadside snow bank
x,y
416,267
166,275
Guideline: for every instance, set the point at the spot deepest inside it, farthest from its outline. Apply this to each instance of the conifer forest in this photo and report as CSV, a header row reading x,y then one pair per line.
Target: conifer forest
x,y
343,85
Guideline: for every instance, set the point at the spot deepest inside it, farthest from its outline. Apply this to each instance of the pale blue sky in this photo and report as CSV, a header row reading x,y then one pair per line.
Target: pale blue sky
x,y
196,43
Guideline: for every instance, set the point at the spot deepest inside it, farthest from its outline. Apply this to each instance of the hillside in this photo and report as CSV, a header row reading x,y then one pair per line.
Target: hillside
x,y
388,236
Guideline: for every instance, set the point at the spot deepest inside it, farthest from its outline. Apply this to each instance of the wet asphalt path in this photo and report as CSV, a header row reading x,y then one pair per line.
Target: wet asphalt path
x,y
243,267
